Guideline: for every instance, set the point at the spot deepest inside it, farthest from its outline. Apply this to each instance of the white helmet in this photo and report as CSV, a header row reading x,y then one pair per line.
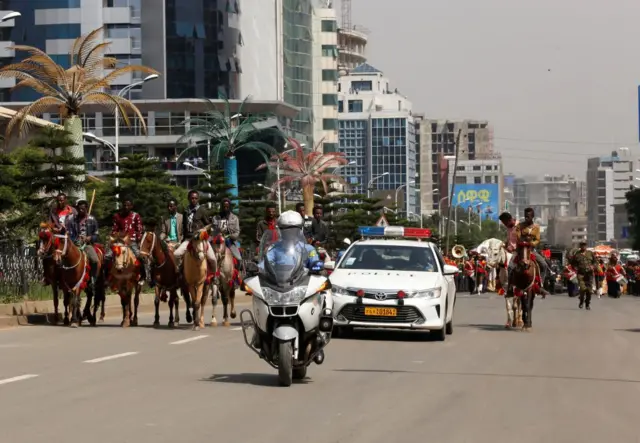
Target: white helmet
x,y
290,219
346,241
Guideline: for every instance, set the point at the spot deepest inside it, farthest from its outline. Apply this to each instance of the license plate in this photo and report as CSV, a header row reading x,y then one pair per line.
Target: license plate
x,y
381,312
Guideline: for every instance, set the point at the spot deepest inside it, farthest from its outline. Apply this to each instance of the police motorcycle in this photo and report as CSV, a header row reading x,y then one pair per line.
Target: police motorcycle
x,y
291,319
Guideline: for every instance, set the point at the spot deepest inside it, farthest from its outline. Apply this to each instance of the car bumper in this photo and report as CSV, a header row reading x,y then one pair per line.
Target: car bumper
x,y
415,313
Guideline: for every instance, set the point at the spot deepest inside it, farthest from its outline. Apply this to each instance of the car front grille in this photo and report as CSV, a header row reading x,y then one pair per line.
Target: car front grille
x,y
372,294
406,314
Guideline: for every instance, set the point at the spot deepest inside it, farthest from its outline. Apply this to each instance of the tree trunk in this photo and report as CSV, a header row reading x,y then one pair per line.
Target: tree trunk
x,y
307,196
73,124
231,178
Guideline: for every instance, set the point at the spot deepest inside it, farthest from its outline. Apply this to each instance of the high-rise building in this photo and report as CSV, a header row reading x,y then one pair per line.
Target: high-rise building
x,y
437,139
609,178
377,134
325,83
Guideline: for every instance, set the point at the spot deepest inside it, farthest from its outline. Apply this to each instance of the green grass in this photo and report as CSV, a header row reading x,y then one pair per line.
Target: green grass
x,y
36,292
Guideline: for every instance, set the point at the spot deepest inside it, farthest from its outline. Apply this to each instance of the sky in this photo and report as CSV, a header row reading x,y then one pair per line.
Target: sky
x,y
557,79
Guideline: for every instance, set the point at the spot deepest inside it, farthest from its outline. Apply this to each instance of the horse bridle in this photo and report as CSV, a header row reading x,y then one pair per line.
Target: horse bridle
x,y
153,247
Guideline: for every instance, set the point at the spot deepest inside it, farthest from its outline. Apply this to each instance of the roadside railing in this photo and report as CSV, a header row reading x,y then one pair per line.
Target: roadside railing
x,y
20,272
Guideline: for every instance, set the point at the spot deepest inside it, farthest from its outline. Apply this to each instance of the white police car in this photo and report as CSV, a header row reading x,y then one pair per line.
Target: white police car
x,y
394,278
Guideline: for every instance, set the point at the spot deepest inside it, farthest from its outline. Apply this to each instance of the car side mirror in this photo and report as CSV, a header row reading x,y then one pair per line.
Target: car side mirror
x,y
450,270
330,265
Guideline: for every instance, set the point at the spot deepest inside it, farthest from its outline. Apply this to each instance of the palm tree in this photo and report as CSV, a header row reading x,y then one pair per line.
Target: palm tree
x,y
307,169
69,90
226,134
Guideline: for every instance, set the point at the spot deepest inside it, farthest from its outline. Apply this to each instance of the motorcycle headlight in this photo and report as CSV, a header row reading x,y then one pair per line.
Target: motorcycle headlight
x,y
429,293
292,297
339,290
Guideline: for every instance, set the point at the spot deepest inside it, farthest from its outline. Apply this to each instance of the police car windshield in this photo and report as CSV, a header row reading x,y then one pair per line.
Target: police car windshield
x,y
389,258
283,255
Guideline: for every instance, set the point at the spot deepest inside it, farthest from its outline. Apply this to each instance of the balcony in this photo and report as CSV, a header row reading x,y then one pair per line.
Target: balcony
x,y
117,15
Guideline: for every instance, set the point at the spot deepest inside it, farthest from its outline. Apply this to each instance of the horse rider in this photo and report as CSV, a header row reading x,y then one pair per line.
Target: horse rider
x,y
307,220
171,229
228,224
195,218
129,223
268,223
584,262
82,229
59,213
517,232
290,226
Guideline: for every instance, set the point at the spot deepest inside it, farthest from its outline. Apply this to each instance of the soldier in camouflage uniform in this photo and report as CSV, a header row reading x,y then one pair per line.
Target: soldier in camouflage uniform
x,y
584,262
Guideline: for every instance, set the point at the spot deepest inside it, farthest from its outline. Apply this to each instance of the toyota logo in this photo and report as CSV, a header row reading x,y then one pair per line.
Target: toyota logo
x,y
381,296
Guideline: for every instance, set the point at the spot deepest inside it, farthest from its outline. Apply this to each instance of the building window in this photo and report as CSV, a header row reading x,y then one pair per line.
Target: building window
x,y
329,75
476,168
330,51
341,106
477,180
329,26
329,99
330,124
362,85
355,105
70,31
330,147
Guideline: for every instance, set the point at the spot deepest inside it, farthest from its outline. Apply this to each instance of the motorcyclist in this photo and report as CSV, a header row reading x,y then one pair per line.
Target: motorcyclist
x,y
290,227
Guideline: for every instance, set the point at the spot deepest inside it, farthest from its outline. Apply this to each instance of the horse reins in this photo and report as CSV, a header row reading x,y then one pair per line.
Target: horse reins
x,y
153,246
63,254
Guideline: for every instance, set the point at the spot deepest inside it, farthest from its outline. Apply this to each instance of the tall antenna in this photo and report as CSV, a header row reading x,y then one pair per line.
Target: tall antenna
x,y
346,14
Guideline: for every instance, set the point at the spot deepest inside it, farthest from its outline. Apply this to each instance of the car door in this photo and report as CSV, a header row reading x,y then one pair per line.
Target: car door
x,y
450,279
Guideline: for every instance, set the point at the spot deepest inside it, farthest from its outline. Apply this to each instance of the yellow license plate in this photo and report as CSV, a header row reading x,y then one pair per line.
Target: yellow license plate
x,y
381,312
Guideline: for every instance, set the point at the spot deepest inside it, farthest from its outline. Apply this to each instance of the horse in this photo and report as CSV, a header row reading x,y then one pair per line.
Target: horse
x,y
195,271
226,274
46,249
163,266
124,276
74,272
525,279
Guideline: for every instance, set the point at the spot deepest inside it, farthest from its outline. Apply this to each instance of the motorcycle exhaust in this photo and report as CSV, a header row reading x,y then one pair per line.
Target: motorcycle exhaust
x,y
319,358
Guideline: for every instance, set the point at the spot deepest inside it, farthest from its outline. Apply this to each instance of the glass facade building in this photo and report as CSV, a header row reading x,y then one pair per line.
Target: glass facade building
x,y
298,63
353,136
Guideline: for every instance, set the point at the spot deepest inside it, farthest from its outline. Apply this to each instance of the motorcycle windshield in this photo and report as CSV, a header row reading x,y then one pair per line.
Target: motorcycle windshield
x,y
283,254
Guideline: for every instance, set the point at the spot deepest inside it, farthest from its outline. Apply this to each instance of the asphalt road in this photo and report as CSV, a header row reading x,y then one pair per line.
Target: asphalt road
x,y
575,378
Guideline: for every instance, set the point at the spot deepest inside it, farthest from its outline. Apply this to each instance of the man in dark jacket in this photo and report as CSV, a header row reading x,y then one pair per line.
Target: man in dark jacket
x,y
82,229
194,219
319,228
269,222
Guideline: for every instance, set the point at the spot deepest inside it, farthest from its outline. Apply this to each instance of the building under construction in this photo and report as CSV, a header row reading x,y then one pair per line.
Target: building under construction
x,y
352,41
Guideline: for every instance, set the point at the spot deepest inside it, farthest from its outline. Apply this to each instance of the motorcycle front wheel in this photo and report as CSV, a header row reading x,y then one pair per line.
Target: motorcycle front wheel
x,y
285,363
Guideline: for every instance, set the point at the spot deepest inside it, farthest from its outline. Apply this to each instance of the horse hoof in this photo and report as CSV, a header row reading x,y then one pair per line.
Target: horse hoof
x,y
189,318
101,318
74,325
134,322
156,324
226,323
233,314
125,324
196,327
171,325
214,323
66,322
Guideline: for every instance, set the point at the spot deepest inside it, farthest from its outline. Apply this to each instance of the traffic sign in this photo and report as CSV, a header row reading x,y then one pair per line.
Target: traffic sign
x,y
382,222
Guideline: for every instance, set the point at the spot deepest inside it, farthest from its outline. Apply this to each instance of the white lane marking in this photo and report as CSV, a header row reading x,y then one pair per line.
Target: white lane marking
x,y
236,329
110,357
18,378
187,340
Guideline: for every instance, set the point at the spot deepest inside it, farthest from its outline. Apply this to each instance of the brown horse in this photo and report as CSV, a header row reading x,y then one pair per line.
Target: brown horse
x,y
196,273
526,280
163,266
224,282
74,275
46,249
124,277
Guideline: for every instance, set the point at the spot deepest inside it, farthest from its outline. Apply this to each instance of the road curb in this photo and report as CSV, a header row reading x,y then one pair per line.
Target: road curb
x,y
41,312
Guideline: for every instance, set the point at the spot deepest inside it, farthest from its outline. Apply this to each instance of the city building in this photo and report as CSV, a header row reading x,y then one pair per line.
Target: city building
x,y
352,40
551,197
567,231
609,178
437,139
621,226
163,119
377,134
325,84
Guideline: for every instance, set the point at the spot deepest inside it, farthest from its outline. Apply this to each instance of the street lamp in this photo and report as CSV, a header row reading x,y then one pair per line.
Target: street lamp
x,y
204,172
412,182
117,112
10,16
371,182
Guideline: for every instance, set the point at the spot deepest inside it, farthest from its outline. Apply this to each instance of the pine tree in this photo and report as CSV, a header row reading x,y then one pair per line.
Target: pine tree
x,y
252,209
148,185
213,189
46,167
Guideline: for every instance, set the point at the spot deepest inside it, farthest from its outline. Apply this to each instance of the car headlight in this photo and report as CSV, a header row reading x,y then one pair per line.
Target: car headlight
x,y
292,297
429,293
339,290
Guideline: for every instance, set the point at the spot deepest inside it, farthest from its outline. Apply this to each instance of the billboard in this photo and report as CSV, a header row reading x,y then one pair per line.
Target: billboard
x,y
484,199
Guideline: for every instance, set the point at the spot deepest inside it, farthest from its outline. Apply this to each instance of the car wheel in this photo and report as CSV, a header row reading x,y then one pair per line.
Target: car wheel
x,y
441,334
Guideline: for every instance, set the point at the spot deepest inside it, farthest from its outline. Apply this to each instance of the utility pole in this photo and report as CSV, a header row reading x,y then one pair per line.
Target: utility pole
x,y
453,190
